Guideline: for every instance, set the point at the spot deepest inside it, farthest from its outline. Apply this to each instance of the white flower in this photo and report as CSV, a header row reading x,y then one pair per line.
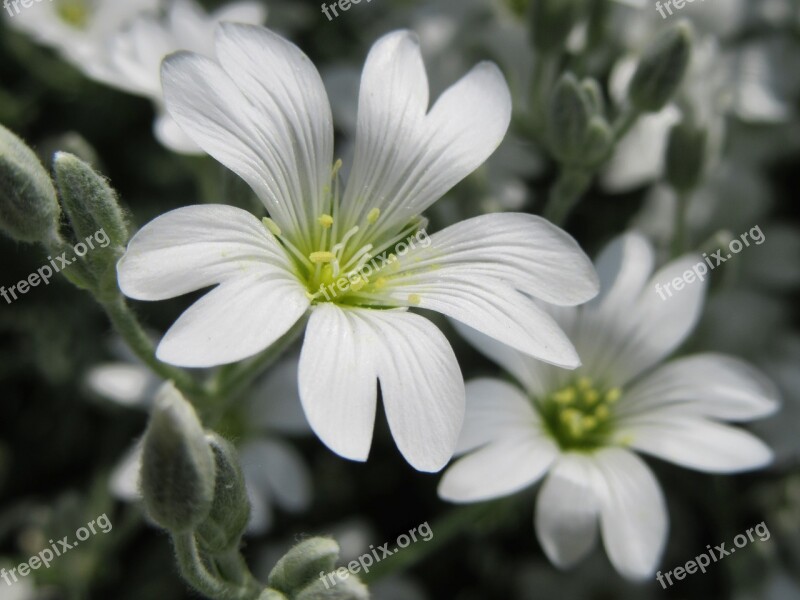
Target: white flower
x,y
578,430
79,29
275,473
354,261
135,53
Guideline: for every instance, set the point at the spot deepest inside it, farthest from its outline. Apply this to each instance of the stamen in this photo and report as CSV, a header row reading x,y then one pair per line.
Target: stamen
x,y
373,216
414,299
325,221
272,226
321,257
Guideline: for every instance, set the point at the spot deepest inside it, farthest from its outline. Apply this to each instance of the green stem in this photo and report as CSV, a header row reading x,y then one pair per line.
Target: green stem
x,y
233,568
679,233
233,380
195,572
572,183
128,326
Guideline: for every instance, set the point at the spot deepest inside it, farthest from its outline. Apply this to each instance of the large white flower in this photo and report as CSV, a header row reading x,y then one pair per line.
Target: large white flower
x,y
355,261
580,429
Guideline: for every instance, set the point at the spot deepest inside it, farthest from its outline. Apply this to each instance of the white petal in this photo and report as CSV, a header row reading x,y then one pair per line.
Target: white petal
x,y
287,92
241,12
338,380
124,481
127,384
695,443
567,510
278,471
171,136
535,376
346,350
525,251
711,385
623,267
194,247
236,320
633,514
501,468
494,308
421,386
277,134
405,160
621,345
495,409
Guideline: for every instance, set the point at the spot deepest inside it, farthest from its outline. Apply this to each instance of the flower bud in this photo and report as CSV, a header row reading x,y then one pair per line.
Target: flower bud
x,y
270,594
302,565
578,132
177,473
29,210
686,156
341,589
552,21
89,201
223,528
662,69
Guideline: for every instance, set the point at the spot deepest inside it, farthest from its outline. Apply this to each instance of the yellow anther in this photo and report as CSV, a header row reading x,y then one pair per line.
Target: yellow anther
x,y
588,422
373,216
326,221
358,284
602,412
380,282
414,299
565,396
613,395
271,226
570,415
321,257
336,167
584,383
591,396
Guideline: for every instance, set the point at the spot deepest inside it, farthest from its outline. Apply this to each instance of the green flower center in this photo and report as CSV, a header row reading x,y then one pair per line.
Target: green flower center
x,y
350,267
580,416
75,13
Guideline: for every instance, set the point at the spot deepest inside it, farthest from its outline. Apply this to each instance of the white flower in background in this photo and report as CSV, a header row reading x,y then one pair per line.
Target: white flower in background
x,y
135,53
355,260
275,473
579,430
79,29
122,44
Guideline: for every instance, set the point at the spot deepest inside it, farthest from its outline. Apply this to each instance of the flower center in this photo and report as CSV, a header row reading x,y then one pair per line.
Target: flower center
x,y
347,267
579,416
75,13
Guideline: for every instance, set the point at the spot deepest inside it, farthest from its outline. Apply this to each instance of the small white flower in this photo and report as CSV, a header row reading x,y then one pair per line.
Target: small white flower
x,y
275,473
262,111
135,53
79,29
579,429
